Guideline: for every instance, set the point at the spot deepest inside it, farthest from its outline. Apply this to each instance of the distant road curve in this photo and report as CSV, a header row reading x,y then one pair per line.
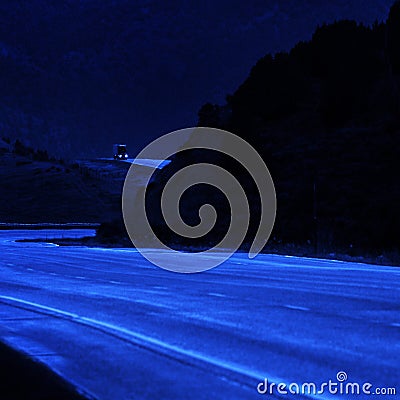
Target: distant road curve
x,y
144,162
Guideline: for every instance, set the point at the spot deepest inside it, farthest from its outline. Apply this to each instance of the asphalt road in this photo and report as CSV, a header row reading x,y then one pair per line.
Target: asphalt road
x,y
120,328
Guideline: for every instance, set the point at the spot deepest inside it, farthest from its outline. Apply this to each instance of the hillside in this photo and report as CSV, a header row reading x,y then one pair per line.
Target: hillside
x,y
326,118
37,189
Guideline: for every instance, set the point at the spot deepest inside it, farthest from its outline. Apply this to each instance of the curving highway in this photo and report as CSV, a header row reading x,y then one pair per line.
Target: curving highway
x,y
119,328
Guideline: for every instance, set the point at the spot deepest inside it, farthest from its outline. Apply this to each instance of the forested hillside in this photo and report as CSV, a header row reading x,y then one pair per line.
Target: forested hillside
x,y
326,118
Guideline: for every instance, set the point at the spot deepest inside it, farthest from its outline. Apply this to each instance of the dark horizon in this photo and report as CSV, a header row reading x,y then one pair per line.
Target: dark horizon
x,y
80,76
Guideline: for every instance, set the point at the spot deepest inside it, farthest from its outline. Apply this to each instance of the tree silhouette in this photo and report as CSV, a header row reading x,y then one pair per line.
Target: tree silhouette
x,y
393,38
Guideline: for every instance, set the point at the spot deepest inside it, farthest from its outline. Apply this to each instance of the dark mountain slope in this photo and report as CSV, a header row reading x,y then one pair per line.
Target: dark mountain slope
x,y
326,118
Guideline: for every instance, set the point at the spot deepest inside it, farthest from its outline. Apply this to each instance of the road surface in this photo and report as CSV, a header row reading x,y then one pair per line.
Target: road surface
x,y
159,164
119,328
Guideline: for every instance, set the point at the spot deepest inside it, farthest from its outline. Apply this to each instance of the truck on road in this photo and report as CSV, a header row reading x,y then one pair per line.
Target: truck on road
x,y
120,152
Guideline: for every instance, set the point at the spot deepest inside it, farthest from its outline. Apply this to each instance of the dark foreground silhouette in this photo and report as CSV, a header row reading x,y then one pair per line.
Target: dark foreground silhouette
x,y
22,378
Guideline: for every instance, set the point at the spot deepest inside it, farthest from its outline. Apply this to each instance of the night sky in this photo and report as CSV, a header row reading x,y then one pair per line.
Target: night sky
x,y
89,73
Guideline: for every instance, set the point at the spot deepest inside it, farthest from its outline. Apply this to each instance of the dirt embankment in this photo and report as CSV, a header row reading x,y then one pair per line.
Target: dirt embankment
x,y
36,191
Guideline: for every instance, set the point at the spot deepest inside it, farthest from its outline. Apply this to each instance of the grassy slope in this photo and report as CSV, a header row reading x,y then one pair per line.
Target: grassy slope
x,y
34,191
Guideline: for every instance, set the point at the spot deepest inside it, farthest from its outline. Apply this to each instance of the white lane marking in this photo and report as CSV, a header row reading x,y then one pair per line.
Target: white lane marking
x,y
191,357
30,269
217,294
396,325
79,277
299,308
114,282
